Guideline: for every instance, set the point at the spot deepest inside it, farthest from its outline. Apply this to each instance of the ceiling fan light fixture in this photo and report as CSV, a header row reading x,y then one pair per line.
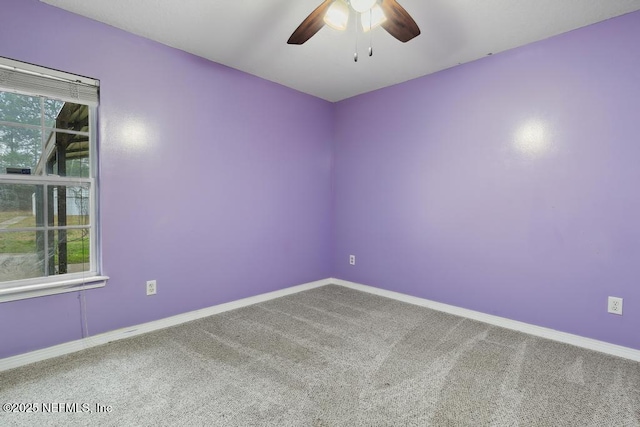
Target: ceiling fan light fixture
x,y
335,13
373,18
361,6
337,16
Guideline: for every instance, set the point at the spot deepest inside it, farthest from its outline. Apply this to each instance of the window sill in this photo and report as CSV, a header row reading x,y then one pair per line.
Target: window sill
x,y
52,288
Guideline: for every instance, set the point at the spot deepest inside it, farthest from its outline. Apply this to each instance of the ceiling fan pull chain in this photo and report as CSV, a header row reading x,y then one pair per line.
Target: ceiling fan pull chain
x,y
370,32
355,54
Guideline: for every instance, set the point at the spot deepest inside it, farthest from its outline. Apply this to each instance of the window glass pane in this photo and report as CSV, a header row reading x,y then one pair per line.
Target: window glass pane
x,y
68,154
17,108
21,206
66,115
69,251
21,255
20,149
45,224
68,205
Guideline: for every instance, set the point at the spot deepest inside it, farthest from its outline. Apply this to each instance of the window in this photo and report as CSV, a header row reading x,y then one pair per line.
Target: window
x,y
48,167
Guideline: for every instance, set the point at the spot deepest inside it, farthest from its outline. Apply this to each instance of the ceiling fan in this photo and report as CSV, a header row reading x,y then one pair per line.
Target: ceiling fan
x,y
335,13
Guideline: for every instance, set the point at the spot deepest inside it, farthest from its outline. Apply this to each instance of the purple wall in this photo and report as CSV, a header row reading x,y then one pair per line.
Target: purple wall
x,y
508,185
214,182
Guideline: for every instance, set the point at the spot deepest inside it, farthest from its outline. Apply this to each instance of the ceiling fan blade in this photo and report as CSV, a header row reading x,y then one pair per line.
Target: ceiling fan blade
x,y
399,23
311,25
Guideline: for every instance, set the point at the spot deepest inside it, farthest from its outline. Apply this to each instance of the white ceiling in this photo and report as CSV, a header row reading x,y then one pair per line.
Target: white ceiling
x,y
251,35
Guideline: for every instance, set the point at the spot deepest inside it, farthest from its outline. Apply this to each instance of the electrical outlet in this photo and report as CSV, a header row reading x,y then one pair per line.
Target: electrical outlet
x,y
615,305
151,287
352,259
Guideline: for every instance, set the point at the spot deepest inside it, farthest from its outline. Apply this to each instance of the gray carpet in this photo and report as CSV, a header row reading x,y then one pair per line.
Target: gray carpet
x,y
332,357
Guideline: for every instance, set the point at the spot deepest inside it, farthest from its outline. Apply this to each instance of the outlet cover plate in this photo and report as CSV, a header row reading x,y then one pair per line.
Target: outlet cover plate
x,y
151,287
615,305
352,259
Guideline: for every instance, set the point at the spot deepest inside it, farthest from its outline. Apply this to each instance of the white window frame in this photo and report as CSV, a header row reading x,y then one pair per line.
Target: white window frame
x,y
69,282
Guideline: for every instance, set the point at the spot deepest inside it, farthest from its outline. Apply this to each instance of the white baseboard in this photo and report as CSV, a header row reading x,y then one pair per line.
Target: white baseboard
x,y
84,343
118,334
539,331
